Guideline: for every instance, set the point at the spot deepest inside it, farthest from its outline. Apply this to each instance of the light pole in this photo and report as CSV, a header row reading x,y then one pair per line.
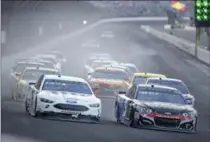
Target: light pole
x,y
197,40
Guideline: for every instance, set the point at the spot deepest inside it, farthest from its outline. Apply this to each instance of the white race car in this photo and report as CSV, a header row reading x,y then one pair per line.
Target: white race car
x,y
58,54
131,66
51,58
63,98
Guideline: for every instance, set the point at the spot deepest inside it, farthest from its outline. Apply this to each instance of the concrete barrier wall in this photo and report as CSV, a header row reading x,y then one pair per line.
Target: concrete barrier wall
x,y
188,47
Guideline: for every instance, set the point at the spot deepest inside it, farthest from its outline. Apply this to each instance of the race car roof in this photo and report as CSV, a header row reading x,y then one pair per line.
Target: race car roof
x,y
53,52
117,66
46,56
150,86
128,64
104,61
149,75
166,79
41,68
29,62
43,61
109,69
66,78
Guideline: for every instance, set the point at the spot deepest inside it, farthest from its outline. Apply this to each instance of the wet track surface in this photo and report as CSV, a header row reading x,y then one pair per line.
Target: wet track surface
x,y
131,45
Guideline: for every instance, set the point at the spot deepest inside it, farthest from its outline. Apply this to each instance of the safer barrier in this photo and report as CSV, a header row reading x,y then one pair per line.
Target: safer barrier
x,y
182,44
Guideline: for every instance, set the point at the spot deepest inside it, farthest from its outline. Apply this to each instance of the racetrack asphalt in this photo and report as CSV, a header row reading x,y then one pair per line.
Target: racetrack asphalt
x,y
130,45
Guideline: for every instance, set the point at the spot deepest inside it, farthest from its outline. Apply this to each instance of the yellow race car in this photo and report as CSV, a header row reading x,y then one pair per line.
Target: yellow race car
x,y
109,79
141,78
29,77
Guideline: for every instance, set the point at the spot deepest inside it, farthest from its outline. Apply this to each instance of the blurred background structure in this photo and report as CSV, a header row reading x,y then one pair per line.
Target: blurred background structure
x,y
26,23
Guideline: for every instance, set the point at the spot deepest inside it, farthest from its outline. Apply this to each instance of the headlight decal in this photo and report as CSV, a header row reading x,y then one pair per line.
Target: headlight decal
x,y
46,100
94,105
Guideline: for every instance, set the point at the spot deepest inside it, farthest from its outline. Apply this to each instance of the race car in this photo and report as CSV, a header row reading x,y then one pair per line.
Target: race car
x,y
51,58
118,66
91,43
175,83
47,64
29,77
63,98
107,34
155,107
131,66
18,69
141,78
58,55
109,79
91,58
97,64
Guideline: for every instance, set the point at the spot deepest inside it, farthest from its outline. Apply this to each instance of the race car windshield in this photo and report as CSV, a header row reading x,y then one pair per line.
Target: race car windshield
x,y
178,85
160,96
35,74
139,80
66,86
118,75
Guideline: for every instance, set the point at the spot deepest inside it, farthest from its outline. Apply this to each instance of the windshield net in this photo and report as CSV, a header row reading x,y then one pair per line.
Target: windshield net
x,y
178,85
160,96
66,86
110,74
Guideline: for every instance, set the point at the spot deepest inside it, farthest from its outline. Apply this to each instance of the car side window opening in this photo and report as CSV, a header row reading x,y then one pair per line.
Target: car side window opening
x,y
131,92
39,82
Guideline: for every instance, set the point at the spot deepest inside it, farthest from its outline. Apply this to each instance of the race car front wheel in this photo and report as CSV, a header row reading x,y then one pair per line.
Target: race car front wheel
x,y
32,110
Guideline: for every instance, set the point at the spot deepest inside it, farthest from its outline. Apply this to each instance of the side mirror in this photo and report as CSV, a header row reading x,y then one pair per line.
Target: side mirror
x,y
189,102
89,73
18,74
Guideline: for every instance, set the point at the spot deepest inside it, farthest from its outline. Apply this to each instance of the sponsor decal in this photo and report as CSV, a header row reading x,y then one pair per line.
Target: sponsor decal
x,y
167,116
75,113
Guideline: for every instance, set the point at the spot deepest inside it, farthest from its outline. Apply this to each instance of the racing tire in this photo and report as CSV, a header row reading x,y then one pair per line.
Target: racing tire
x,y
98,119
14,97
34,113
133,123
195,128
26,108
117,113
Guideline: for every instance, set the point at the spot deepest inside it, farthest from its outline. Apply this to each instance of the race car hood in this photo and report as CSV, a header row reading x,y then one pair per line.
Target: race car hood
x,y
110,82
69,97
166,107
